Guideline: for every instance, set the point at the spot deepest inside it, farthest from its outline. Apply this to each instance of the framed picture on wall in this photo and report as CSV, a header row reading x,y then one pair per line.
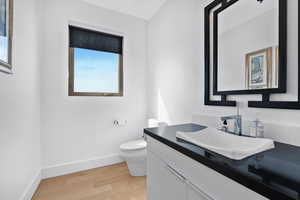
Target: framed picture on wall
x,y
259,69
6,30
276,66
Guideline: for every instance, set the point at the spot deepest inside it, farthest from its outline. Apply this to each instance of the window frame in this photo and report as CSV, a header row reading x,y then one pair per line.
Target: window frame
x,y
95,94
6,67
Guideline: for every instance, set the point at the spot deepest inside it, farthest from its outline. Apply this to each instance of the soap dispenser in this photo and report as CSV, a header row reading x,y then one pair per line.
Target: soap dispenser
x,y
260,129
257,129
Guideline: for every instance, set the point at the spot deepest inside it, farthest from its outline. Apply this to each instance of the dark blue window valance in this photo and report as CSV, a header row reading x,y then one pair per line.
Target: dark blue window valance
x,y
93,40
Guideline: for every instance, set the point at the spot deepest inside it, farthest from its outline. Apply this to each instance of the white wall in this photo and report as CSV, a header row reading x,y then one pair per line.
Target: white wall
x,y
243,11
176,66
173,66
20,108
77,129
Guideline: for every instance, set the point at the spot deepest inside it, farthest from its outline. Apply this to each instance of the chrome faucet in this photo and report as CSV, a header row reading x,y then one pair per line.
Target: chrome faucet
x,y
237,123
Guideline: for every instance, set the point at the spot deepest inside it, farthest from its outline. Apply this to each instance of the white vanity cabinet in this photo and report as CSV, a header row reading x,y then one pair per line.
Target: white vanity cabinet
x,y
174,176
194,194
166,183
163,184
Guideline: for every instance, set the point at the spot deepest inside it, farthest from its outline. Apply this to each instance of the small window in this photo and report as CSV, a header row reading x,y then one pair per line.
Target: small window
x,y
96,63
6,26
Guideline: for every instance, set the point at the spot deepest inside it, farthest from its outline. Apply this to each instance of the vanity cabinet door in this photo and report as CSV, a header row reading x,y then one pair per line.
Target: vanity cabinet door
x,y
195,193
163,181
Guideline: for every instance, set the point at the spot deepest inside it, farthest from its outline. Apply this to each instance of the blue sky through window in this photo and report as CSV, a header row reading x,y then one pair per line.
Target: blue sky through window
x,y
4,49
3,31
96,71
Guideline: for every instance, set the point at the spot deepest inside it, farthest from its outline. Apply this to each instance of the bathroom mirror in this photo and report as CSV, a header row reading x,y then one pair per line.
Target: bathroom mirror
x,y
280,88
249,40
285,56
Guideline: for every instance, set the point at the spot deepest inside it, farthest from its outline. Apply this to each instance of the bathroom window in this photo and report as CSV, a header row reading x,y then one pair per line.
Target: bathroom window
x,y
6,30
96,63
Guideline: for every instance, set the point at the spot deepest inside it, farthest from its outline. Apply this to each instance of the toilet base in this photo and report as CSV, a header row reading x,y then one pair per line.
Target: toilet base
x,y
136,162
137,169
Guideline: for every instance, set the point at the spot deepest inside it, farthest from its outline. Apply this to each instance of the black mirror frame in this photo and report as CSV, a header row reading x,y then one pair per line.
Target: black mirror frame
x,y
265,103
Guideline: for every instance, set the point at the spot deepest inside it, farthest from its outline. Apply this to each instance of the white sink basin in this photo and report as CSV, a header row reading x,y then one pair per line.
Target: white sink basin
x,y
231,146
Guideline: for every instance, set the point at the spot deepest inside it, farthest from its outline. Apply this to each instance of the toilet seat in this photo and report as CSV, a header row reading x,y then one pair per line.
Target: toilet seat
x,y
134,145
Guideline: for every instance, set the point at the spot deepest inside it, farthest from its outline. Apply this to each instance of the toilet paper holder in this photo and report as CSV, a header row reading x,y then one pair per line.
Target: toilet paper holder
x,y
119,122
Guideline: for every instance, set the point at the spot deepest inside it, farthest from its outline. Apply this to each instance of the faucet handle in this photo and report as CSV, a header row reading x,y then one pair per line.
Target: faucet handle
x,y
224,125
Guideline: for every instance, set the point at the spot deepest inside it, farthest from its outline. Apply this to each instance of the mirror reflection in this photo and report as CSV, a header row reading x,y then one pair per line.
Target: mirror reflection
x,y
248,45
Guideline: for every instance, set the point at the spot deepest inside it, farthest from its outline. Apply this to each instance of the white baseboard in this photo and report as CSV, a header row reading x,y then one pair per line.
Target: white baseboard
x,y
32,187
77,166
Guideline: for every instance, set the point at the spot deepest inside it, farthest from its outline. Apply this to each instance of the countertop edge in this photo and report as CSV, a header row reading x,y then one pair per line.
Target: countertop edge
x,y
251,184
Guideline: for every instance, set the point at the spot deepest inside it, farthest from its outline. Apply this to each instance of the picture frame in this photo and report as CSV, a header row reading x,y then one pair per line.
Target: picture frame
x,y
6,34
276,49
259,69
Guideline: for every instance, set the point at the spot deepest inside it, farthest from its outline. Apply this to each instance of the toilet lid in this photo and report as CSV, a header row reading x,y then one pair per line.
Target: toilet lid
x,y
134,145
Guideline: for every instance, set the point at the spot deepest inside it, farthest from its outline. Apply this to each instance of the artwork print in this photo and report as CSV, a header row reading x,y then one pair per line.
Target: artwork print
x,y
259,69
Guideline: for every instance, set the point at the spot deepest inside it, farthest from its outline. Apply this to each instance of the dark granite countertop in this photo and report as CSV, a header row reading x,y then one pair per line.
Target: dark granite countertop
x,y
274,174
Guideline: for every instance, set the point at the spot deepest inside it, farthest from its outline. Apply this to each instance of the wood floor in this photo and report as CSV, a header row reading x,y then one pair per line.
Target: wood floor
x,y
107,183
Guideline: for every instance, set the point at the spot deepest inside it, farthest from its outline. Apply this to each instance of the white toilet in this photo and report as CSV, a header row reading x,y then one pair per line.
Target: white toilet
x,y
135,154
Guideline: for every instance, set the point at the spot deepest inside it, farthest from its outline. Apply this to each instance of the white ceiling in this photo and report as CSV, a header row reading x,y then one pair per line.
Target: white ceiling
x,y
144,9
